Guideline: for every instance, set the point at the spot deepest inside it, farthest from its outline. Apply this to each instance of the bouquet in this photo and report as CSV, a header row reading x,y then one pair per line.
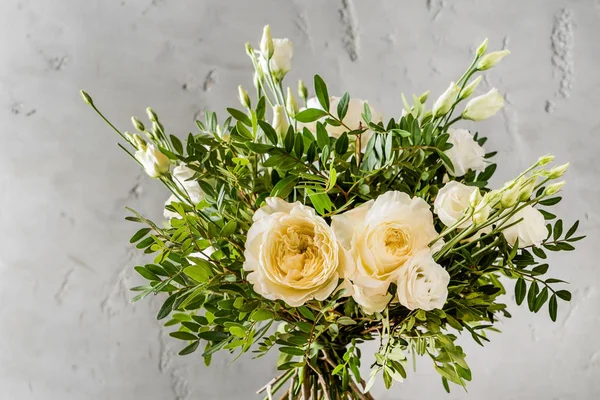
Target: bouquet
x,y
323,225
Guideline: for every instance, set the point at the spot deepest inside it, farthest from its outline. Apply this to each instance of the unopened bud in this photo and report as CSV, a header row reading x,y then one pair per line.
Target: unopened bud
x,y
491,59
475,198
280,123
423,97
86,98
558,171
266,43
302,90
136,140
484,106
138,124
291,104
443,104
244,98
470,88
481,215
543,160
554,188
249,49
510,195
482,48
151,114
527,188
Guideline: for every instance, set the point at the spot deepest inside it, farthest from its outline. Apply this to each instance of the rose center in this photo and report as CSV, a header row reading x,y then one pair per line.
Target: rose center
x,y
297,255
396,241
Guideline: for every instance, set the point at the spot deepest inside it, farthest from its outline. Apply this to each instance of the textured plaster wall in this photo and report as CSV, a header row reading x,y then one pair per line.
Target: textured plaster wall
x,y
67,328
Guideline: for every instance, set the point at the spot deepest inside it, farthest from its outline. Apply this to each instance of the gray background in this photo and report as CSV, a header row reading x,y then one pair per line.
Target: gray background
x,y
67,328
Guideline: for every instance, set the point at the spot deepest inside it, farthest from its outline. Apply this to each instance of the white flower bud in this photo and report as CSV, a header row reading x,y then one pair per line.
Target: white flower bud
x,y
154,162
280,123
137,141
302,90
527,188
151,114
482,48
266,43
558,171
423,97
444,102
138,124
244,98
491,59
249,49
484,106
475,198
256,80
86,98
554,188
543,160
291,104
470,88
481,215
510,195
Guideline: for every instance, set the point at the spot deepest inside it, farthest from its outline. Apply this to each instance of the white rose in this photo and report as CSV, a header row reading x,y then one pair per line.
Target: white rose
x,y
423,284
353,118
292,254
382,235
452,201
154,162
465,153
530,231
182,175
281,61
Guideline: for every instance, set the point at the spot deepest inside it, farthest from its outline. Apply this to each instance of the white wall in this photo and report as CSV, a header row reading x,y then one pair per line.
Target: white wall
x,y
67,328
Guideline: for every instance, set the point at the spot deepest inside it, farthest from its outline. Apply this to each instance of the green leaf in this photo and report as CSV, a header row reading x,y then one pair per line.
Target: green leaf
x,y
146,273
341,145
284,187
259,147
167,307
346,321
293,351
446,160
558,229
189,349
321,92
213,336
261,315
541,299
176,144
520,290
553,307
322,135
200,272
269,131
572,230
342,107
532,295
299,145
288,141
228,229
564,295
183,335
550,202
240,116
306,313
310,115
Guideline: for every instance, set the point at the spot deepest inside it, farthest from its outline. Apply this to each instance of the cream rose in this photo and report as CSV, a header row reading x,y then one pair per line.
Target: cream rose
x,y
422,283
292,254
381,236
353,118
452,201
465,153
530,231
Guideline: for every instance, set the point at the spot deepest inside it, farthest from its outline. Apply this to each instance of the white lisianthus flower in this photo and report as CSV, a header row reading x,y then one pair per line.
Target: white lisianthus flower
x,y
182,175
382,235
154,162
484,106
281,60
292,254
452,201
530,231
353,118
423,284
465,152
